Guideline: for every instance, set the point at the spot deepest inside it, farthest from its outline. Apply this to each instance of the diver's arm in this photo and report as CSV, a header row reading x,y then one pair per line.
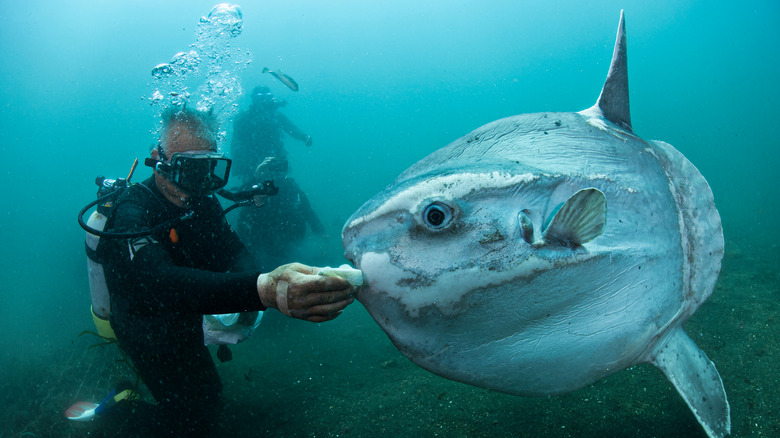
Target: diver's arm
x,y
293,131
309,214
167,286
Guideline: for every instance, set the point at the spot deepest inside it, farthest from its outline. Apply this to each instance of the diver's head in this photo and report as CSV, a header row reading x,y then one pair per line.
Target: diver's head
x,y
186,161
262,97
279,166
185,130
272,168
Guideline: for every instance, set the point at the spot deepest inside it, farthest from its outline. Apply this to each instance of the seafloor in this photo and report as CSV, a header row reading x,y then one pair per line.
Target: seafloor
x,y
345,379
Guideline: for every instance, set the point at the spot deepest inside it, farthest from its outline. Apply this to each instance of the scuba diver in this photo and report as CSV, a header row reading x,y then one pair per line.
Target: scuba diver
x,y
169,257
271,233
257,133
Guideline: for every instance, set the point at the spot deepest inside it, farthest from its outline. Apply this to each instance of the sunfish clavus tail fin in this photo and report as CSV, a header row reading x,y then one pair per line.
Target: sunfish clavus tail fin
x,y
696,379
613,100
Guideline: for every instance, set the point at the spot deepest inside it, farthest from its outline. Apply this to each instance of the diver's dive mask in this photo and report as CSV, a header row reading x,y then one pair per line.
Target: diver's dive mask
x,y
196,173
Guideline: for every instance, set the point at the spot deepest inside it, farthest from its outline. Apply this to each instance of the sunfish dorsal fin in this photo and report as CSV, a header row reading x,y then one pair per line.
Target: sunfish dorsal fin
x,y
613,100
580,220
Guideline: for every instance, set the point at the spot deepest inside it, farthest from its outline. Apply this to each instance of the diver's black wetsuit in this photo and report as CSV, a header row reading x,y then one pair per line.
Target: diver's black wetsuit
x,y
160,287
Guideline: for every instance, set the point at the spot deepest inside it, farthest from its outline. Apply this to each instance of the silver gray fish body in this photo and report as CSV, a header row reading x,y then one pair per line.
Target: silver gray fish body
x,y
283,78
542,252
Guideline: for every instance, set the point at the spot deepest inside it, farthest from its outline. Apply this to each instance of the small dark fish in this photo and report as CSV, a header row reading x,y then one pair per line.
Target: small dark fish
x,y
283,78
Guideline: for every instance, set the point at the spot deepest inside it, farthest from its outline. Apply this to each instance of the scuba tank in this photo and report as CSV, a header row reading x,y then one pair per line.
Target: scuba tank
x,y
98,290
108,192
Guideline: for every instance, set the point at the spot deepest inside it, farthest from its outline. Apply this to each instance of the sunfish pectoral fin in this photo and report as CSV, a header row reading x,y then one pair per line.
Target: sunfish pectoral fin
x,y
696,379
581,219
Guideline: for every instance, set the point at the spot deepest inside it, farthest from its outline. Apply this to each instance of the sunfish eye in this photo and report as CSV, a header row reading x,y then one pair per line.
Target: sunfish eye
x,y
437,215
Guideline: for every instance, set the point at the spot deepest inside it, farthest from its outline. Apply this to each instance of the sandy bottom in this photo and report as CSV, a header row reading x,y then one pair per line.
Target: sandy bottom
x,y
345,379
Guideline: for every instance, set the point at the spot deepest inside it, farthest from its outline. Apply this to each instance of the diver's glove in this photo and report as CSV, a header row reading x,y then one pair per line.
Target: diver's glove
x,y
298,291
352,275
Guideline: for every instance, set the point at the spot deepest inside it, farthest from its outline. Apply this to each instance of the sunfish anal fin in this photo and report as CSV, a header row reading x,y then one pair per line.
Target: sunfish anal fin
x,y
696,379
581,219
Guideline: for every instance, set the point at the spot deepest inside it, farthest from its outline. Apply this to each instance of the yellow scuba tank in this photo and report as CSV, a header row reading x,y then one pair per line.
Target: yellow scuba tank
x,y
98,290
108,191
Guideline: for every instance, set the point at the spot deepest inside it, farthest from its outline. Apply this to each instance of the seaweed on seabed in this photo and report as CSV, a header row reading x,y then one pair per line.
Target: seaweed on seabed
x,y
112,341
106,341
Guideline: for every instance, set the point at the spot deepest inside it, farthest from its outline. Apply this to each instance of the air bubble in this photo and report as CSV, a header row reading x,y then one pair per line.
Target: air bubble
x,y
185,61
205,75
228,17
162,70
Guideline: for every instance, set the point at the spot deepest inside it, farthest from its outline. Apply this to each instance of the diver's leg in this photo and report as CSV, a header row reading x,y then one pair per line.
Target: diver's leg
x,y
184,381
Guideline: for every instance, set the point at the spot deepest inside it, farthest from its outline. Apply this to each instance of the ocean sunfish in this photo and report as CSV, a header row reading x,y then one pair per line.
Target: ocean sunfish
x,y
542,252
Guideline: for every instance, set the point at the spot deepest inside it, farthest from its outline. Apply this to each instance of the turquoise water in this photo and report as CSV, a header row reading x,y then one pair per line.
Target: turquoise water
x,y
382,84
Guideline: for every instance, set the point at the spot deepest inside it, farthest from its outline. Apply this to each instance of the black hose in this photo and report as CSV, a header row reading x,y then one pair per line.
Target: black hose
x,y
241,199
126,235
